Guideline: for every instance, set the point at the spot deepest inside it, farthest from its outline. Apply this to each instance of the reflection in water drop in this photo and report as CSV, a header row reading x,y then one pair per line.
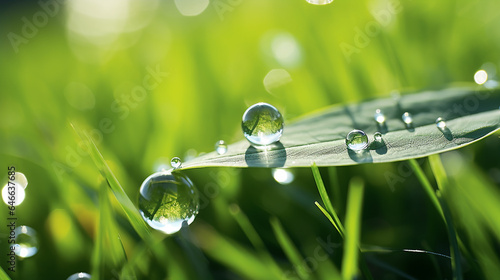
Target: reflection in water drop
x,y
276,78
283,176
440,123
168,200
262,124
175,162
407,119
379,116
319,2
480,77
13,192
191,7
79,276
26,242
356,140
220,147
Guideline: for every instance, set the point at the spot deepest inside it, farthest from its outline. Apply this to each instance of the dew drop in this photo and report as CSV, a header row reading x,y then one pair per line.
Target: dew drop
x,y
26,242
221,147
18,193
79,276
168,200
379,116
283,176
176,162
262,124
356,140
377,136
440,123
480,77
319,2
407,118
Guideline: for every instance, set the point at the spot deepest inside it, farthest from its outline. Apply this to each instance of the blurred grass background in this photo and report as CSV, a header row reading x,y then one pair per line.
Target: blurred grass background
x,y
87,62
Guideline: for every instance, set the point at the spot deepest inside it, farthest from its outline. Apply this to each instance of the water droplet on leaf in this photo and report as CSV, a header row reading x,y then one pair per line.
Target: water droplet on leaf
x,y
79,276
167,200
356,140
377,136
176,162
26,242
262,124
221,147
407,118
379,116
440,123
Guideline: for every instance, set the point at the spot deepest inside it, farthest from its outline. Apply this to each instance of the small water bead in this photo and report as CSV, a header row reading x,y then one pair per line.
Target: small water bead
x,y
262,124
481,77
441,123
379,116
377,136
283,176
407,118
319,2
356,140
79,276
176,162
167,200
221,147
26,242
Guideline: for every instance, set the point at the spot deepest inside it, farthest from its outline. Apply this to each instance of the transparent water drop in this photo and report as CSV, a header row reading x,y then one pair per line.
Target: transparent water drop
x,y
481,77
13,192
176,162
168,200
221,147
79,276
26,242
379,116
319,2
356,140
441,123
407,118
262,124
377,136
283,176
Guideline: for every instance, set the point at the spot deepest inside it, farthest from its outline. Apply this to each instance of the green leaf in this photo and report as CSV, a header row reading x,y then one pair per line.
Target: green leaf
x,y
320,137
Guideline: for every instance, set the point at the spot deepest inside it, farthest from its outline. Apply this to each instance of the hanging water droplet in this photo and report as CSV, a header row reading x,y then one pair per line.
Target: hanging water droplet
x,y
356,140
167,200
283,176
319,2
262,124
441,123
176,162
79,276
480,77
26,242
377,136
379,116
407,118
221,147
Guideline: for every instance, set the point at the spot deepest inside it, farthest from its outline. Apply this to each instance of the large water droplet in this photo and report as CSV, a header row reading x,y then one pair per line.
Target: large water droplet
x,y
79,276
283,176
480,77
13,193
221,147
379,116
407,119
356,140
319,2
262,124
441,123
167,200
26,242
176,162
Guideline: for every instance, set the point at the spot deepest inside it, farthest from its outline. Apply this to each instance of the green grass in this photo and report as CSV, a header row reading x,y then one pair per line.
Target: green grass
x,y
84,180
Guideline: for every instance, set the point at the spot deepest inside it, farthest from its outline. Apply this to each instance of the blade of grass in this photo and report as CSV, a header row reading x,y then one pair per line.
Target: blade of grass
x,y
326,200
288,247
426,184
254,238
329,217
442,182
3,275
335,189
352,229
